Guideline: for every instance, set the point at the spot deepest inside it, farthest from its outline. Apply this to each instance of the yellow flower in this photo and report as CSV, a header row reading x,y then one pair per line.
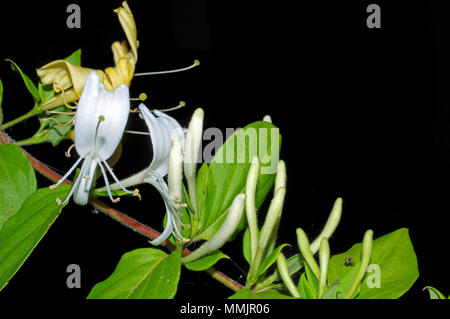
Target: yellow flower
x,y
68,79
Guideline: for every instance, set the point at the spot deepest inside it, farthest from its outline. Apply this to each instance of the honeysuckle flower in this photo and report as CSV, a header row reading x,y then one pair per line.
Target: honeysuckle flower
x,y
167,139
68,79
100,121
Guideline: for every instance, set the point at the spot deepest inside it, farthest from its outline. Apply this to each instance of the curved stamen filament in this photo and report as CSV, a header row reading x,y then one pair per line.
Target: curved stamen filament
x,y
179,106
195,64
59,112
58,122
114,200
67,174
136,132
116,179
76,183
64,98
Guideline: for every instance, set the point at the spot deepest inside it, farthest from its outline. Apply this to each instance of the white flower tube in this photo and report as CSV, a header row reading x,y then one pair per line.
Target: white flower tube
x,y
224,233
100,121
193,147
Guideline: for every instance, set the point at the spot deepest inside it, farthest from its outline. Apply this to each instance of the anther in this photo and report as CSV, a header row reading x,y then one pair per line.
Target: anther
x,y
67,153
195,64
142,97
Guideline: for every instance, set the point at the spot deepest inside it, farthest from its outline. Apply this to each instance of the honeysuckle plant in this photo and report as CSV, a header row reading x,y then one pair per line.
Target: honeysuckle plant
x,y
208,206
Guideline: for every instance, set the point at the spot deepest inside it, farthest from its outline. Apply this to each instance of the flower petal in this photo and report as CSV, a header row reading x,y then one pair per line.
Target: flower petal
x,y
162,130
100,138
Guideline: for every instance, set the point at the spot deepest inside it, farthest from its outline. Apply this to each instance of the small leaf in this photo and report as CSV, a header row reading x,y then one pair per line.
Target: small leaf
x,y
28,83
434,293
45,92
74,58
295,264
17,180
144,273
331,293
206,261
311,278
52,132
202,176
246,246
246,293
305,288
23,231
393,254
270,259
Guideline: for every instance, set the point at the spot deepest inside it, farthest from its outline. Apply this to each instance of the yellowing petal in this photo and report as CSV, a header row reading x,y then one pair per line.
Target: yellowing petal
x,y
126,19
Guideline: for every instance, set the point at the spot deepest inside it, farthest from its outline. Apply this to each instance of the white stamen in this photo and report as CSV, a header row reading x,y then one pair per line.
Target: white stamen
x,y
196,63
105,178
115,177
136,132
67,174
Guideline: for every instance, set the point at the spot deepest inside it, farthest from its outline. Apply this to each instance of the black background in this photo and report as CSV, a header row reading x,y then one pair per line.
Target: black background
x,y
364,114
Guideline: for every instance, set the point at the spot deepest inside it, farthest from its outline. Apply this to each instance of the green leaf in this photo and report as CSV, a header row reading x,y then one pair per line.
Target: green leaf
x,y
45,92
23,231
434,293
202,176
331,293
228,171
305,289
397,261
246,293
344,284
28,83
295,264
206,261
144,273
74,58
50,131
314,282
270,259
246,246
17,180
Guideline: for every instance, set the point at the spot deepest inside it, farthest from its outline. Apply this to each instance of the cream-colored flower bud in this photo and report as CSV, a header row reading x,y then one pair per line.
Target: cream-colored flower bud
x,y
191,152
224,233
175,174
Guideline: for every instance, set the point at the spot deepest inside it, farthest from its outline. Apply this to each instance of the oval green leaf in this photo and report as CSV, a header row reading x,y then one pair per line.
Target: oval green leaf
x,y
394,254
144,273
206,261
17,180
23,231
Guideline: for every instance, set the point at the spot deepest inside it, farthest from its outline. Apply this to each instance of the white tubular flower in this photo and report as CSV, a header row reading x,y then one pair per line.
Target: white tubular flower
x,y
172,195
193,147
100,121
163,129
